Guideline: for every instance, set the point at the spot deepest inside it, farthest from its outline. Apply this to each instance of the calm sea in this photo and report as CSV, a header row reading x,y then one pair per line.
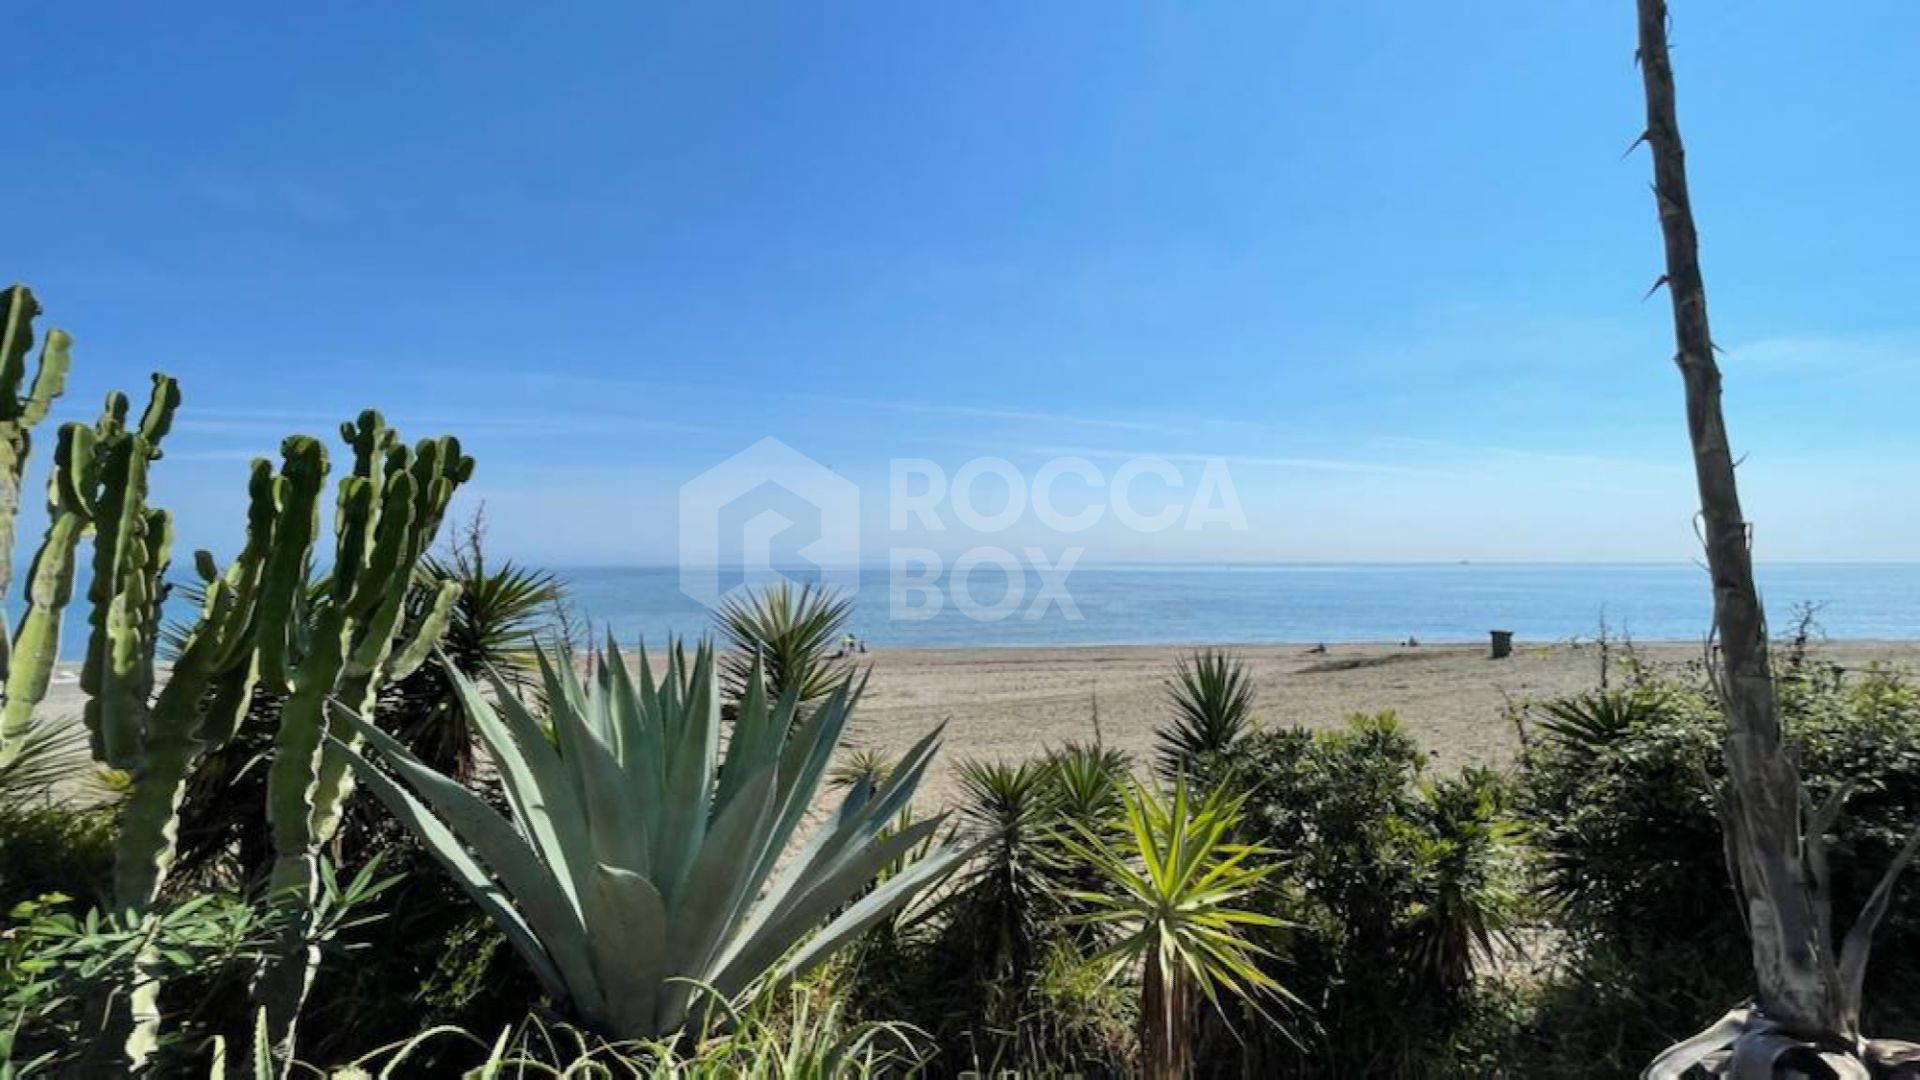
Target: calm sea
x,y
1276,603
1306,603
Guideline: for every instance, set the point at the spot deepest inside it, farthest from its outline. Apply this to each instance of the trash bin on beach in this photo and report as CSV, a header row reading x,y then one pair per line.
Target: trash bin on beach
x,y
1502,644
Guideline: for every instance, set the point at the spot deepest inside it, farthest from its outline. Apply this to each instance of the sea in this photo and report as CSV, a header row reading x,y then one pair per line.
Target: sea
x,y
1299,603
1290,603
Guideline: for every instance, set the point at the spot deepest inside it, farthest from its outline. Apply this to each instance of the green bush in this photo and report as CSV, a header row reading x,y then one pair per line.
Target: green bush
x,y
996,971
55,849
1395,886
1618,792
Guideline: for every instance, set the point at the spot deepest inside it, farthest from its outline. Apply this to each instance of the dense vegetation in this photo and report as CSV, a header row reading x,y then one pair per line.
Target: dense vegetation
x,y
370,810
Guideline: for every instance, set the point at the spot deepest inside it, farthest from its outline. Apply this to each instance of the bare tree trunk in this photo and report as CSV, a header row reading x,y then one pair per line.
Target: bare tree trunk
x,y
1786,915
1166,1022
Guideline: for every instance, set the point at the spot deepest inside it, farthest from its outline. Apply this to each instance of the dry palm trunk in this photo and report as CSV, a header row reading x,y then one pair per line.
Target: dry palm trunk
x,y
1807,1000
1764,801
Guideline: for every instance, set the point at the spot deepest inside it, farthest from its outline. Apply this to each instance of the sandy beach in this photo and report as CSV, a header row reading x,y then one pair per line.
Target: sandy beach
x,y
1014,702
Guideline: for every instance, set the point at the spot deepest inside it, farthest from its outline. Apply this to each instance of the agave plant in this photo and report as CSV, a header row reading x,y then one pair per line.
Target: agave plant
x,y
1171,890
793,634
1211,695
637,871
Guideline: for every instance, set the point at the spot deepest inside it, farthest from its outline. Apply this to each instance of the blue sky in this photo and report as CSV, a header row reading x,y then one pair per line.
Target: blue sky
x,y
1384,259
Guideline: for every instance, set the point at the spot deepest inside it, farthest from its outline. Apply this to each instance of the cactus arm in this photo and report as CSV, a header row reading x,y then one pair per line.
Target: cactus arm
x,y
409,655
114,707
16,337
18,415
56,359
37,645
303,472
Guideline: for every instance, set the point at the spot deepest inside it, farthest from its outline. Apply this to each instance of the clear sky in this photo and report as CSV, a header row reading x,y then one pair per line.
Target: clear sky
x,y
1384,259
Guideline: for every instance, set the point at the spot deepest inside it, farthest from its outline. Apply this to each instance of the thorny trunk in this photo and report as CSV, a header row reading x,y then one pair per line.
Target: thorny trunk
x,y
1785,910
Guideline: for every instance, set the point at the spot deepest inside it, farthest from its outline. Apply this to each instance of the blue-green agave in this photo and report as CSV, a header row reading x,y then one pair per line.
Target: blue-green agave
x,y
645,871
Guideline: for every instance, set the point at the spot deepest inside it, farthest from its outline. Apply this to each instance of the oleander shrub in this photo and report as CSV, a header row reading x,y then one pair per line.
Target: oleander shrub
x,y
1396,888
1617,793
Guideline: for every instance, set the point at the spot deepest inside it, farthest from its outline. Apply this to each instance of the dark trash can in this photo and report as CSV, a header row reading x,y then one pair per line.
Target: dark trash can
x,y
1502,643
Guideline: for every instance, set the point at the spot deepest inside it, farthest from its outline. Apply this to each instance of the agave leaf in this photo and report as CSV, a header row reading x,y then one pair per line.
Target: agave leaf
x,y
885,898
717,887
468,873
752,742
631,962
760,946
1858,946
608,800
532,886
892,798
688,795
535,779
860,818
642,747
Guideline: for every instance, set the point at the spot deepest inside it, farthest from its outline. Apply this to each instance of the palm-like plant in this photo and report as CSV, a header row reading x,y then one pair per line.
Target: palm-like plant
x,y
1468,906
1002,902
1088,780
494,624
636,866
51,754
1171,890
1211,695
791,633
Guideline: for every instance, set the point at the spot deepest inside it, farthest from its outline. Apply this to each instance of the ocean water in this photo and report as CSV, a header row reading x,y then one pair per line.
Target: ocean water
x,y
1300,603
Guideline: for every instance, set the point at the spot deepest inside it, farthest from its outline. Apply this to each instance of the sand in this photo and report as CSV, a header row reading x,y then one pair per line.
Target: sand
x,y
1015,702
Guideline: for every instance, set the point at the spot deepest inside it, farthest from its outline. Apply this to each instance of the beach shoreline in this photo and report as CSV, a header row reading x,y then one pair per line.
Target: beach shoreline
x,y
1013,702
1016,701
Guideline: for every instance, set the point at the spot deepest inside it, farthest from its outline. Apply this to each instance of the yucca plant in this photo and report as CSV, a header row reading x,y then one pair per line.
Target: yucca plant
x,y
793,633
636,872
1172,888
494,623
1088,780
1211,696
1468,907
1002,901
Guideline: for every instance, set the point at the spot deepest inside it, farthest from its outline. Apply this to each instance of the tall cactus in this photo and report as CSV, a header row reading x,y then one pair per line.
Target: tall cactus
x,y
131,549
18,415
100,483
388,510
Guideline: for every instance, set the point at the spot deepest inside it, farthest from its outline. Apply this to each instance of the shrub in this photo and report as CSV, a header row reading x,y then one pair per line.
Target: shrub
x,y
55,849
1394,885
996,971
1618,793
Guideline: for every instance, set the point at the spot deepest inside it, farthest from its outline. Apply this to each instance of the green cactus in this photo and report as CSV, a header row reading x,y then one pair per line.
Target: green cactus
x,y
130,555
18,416
388,510
99,484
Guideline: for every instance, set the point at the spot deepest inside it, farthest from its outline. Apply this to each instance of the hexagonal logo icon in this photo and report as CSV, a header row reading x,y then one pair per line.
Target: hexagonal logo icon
x,y
768,513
